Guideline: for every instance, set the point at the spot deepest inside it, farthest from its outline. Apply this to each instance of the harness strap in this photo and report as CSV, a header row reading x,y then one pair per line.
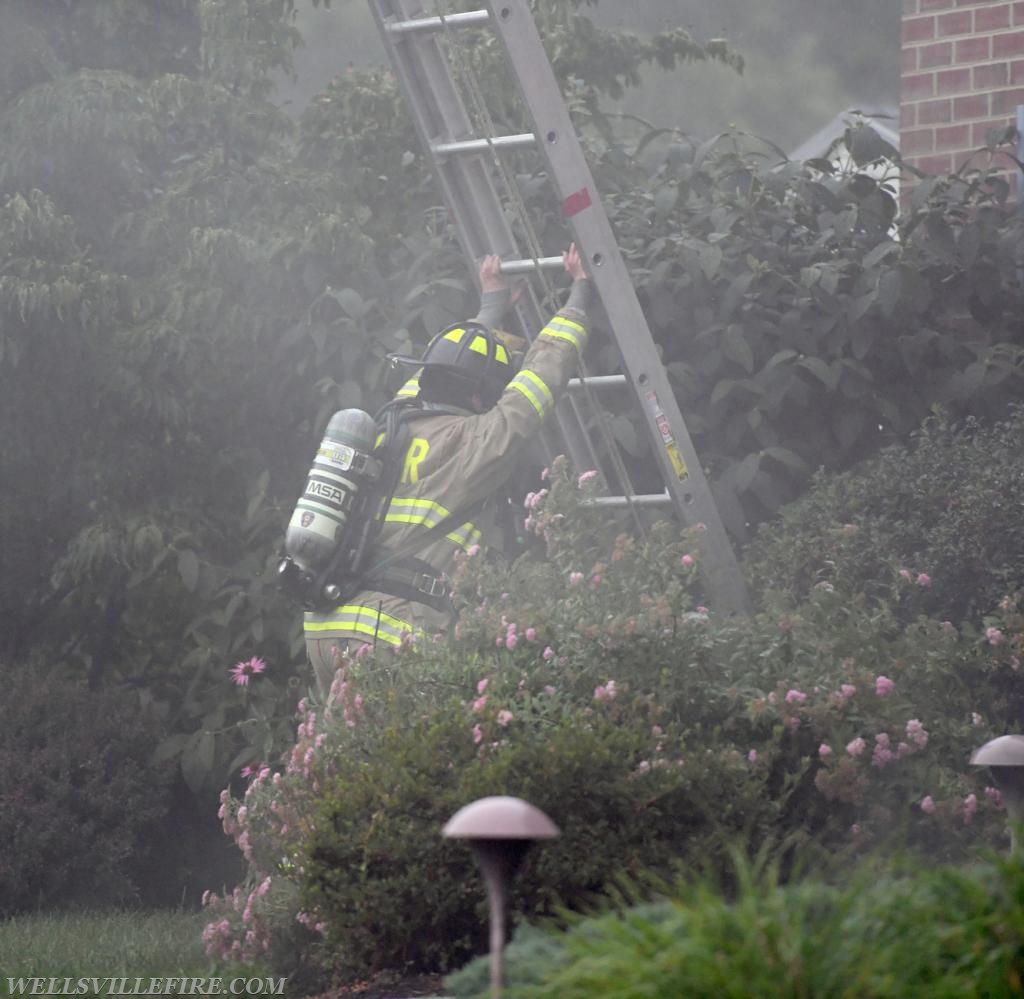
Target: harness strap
x,y
416,580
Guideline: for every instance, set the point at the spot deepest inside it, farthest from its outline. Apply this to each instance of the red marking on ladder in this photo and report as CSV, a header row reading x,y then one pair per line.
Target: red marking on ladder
x,y
576,202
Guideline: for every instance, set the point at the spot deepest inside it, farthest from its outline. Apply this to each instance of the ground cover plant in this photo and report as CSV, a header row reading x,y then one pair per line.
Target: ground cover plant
x,y
591,679
886,933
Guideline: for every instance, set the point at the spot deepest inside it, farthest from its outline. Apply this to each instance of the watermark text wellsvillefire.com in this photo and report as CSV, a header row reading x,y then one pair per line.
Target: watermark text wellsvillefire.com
x,y
146,986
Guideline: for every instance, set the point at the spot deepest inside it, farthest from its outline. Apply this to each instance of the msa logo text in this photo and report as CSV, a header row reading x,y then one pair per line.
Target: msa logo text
x,y
325,491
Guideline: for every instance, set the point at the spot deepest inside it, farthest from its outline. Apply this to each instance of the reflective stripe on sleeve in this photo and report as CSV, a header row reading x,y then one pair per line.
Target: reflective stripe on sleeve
x,y
465,536
531,385
362,620
406,510
560,328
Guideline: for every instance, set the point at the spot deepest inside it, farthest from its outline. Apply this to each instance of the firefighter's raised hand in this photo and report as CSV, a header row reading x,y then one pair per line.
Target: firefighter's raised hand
x,y
491,278
574,263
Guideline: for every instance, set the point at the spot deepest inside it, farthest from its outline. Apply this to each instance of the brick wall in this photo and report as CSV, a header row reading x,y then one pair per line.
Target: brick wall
x,y
963,73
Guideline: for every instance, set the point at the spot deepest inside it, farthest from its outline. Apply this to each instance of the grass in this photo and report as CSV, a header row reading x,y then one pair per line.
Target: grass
x,y
129,945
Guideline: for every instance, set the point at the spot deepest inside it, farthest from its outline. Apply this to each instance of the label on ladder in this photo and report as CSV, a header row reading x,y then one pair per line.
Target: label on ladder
x,y
672,449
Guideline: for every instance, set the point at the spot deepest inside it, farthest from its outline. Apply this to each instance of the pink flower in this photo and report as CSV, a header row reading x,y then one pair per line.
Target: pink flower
x,y
995,796
575,578
586,477
923,579
905,574
548,653
752,756
824,750
701,609
478,735
856,747
473,550
795,697
607,692
481,686
479,704
917,734
549,690
242,671
883,686
595,580
687,561
847,690
511,641
504,717
531,634
994,636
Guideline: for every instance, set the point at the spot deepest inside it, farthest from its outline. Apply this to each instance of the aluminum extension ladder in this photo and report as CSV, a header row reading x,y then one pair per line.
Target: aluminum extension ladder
x,y
467,165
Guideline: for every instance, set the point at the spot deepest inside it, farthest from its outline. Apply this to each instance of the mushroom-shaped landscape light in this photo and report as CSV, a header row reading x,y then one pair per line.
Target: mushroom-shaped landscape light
x,y
500,830
1005,759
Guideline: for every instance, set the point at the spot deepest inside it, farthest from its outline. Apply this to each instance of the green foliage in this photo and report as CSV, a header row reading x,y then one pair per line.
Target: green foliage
x,y
804,322
889,933
947,505
77,803
592,684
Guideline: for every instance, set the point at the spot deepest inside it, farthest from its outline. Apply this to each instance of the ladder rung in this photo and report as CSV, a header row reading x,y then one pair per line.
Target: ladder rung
x,y
648,499
482,145
466,19
524,266
596,381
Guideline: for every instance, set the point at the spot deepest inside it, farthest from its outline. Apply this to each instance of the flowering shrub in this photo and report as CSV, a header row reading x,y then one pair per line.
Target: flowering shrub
x,y
597,685
935,527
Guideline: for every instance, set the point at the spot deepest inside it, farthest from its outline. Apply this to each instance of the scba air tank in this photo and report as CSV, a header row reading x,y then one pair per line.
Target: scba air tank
x,y
343,466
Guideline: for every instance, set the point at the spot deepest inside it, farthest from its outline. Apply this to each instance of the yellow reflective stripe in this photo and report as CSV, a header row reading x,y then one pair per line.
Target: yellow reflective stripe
x,y
465,536
455,335
539,384
479,345
501,354
532,386
565,329
530,397
415,511
363,621
410,389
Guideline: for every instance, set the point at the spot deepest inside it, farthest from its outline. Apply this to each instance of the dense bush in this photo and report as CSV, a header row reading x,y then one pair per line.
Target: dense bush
x,y
591,683
78,802
923,933
947,509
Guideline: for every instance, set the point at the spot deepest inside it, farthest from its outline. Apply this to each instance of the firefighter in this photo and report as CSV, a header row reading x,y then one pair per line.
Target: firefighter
x,y
475,415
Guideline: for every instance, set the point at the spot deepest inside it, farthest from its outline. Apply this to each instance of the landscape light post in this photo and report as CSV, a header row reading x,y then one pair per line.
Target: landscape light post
x,y
1004,757
500,831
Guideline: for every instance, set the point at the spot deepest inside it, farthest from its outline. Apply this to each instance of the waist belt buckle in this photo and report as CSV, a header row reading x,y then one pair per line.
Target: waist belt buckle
x,y
432,586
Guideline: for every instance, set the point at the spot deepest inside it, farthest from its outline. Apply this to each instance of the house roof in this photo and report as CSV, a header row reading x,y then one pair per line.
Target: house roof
x,y
885,122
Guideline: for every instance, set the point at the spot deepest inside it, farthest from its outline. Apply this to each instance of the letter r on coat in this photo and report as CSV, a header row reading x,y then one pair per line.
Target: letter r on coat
x,y
417,452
